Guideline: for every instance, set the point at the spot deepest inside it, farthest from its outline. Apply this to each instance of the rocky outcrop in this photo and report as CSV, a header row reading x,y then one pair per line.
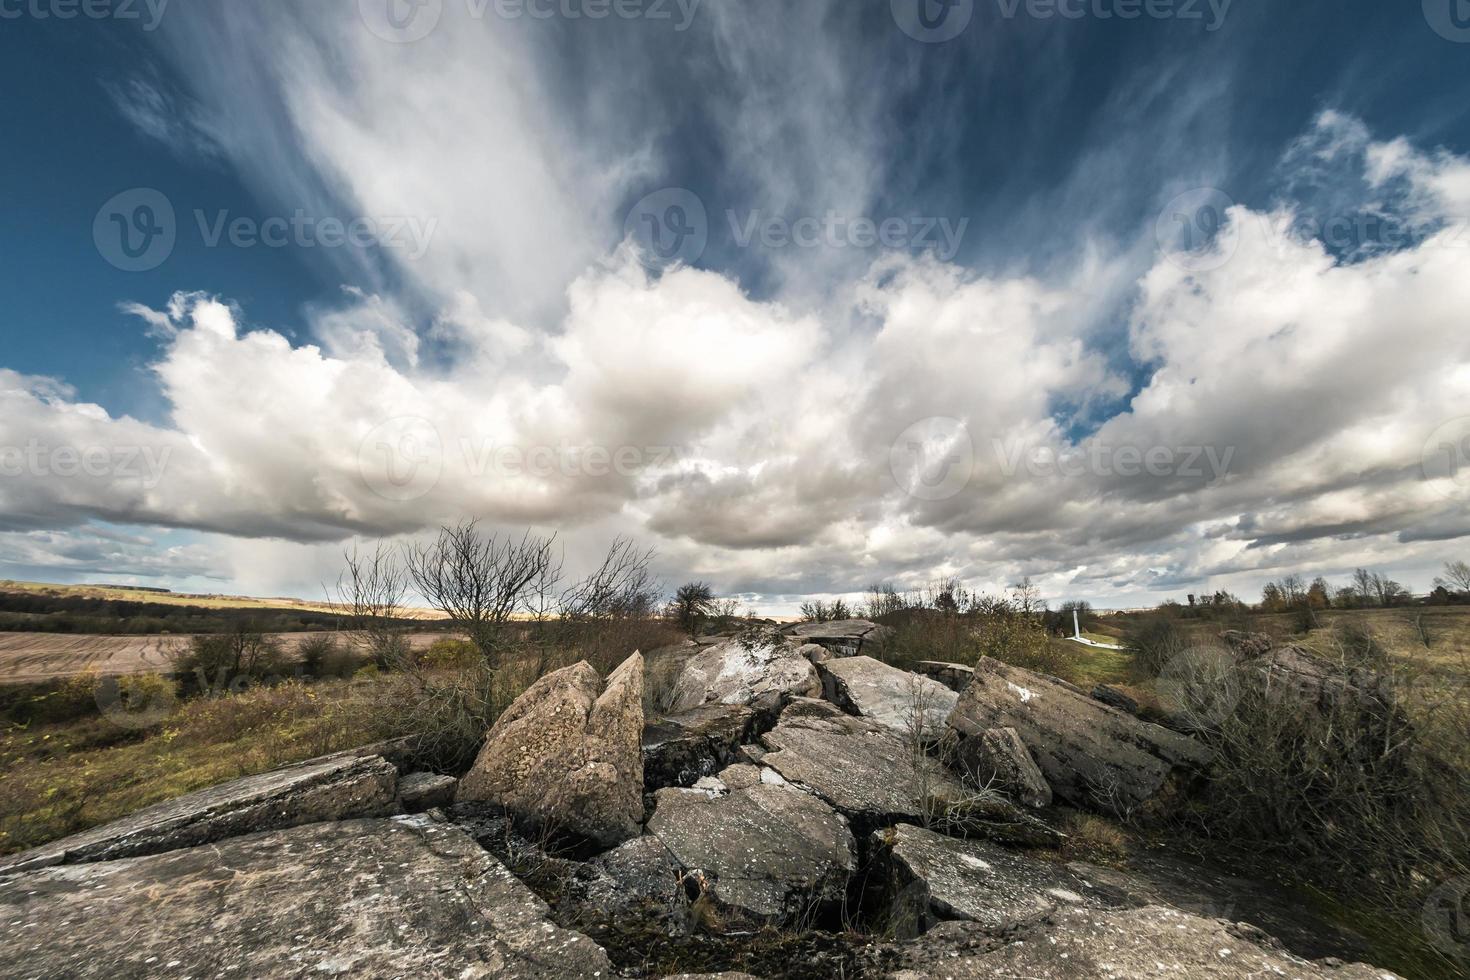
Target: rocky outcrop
x,y
759,849
866,770
332,788
998,759
361,898
741,670
875,775
566,754
420,791
903,701
952,676
844,637
1114,698
1081,943
933,877
1091,754
678,749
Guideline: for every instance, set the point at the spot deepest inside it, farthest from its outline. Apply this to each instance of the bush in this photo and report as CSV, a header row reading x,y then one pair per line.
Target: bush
x,y
1362,788
324,655
1154,643
233,660
449,654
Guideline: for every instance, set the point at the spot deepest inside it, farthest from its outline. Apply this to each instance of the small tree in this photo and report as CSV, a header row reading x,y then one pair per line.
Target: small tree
x,y
371,590
479,581
691,606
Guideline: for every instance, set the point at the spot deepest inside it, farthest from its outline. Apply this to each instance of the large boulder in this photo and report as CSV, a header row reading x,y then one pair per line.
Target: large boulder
x,y
742,670
903,701
844,637
1091,754
566,754
1081,943
868,771
998,759
875,776
952,676
680,748
420,791
761,850
331,788
933,877
361,898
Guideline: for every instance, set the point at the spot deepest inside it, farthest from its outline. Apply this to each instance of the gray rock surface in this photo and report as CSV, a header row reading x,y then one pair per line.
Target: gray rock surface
x,y
864,769
844,637
934,877
680,748
406,897
1091,754
952,676
1114,698
764,851
566,754
741,670
420,791
997,758
331,788
1081,943
904,701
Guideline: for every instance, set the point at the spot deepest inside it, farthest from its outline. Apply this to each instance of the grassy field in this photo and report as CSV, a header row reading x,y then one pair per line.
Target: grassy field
x,y
194,600
30,657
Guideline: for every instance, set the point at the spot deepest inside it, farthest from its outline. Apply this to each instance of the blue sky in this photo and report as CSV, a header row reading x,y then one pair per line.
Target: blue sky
x,y
1032,298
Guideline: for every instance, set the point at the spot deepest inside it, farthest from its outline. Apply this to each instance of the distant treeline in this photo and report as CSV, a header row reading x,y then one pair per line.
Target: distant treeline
x,y
30,612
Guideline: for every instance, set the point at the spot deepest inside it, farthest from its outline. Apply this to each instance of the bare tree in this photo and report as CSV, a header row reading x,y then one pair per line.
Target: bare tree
x,y
1456,576
479,581
623,586
372,589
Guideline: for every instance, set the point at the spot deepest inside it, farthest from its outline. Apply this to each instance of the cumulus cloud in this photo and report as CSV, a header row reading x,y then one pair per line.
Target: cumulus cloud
x,y
1267,409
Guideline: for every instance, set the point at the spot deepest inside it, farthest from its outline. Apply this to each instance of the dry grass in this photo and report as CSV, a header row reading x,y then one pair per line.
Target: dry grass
x,y
64,778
